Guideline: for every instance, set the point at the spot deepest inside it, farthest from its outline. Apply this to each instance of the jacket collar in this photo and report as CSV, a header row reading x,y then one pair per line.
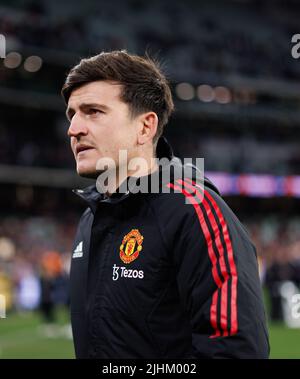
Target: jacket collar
x,y
92,196
163,150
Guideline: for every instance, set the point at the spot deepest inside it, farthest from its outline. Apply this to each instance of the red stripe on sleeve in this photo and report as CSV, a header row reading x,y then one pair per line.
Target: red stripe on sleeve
x,y
217,239
233,270
212,256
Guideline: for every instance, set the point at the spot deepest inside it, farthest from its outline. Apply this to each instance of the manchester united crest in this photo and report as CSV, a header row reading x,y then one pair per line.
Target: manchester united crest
x,y
131,246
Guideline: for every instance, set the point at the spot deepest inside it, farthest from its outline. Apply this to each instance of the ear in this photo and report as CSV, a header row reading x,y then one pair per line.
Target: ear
x,y
148,127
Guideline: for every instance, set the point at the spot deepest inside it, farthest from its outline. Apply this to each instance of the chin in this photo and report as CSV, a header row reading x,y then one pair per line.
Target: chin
x,y
87,172
88,175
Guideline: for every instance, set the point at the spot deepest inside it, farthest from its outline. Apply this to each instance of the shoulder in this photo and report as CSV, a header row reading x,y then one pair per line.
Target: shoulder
x,y
87,213
178,201
190,199
86,217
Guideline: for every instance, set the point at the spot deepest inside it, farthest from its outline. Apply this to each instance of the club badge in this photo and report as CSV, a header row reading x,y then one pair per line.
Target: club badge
x,y
131,246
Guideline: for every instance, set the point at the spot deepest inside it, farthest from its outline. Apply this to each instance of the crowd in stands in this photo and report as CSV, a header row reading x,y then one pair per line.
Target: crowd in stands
x,y
35,254
252,39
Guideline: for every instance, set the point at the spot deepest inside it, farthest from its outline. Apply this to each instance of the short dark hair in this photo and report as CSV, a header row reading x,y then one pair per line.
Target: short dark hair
x,y
145,87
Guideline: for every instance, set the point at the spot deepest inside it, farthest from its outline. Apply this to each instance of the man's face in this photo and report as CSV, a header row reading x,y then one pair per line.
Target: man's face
x,y
100,125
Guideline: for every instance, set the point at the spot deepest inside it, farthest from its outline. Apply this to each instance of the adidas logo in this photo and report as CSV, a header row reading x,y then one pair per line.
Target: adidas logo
x,y
78,252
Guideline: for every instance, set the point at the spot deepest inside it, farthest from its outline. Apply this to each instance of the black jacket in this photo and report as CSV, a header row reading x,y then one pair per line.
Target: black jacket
x,y
158,275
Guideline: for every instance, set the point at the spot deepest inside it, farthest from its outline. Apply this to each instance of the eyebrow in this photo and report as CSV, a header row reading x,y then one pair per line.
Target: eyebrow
x,y
85,106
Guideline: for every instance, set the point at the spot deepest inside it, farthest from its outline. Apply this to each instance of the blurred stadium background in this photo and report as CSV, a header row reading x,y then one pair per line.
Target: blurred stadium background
x,y
236,91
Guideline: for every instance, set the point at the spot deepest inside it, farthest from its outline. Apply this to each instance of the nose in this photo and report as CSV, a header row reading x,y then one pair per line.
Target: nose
x,y
77,127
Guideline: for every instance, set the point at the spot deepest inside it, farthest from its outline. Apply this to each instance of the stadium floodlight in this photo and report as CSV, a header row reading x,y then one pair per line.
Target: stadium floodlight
x,y
13,60
185,91
33,63
222,95
206,93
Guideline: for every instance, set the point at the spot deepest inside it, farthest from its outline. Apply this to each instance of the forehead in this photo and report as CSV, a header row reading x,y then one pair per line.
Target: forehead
x,y
103,92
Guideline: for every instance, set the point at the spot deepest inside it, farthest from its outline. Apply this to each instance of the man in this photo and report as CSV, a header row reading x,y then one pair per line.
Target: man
x,y
157,274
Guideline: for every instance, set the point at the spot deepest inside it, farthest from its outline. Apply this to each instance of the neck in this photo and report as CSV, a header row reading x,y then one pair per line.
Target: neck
x,y
123,172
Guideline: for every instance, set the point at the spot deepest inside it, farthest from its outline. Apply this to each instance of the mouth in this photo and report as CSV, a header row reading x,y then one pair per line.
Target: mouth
x,y
81,148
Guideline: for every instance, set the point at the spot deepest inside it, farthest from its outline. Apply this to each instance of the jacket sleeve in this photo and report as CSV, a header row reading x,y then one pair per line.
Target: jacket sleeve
x,y
217,277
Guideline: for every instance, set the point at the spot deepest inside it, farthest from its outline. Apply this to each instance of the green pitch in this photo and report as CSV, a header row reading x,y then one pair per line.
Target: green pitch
x,y
285,343
25,336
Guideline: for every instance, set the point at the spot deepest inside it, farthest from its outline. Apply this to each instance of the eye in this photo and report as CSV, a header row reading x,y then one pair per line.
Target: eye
x,y
94,111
